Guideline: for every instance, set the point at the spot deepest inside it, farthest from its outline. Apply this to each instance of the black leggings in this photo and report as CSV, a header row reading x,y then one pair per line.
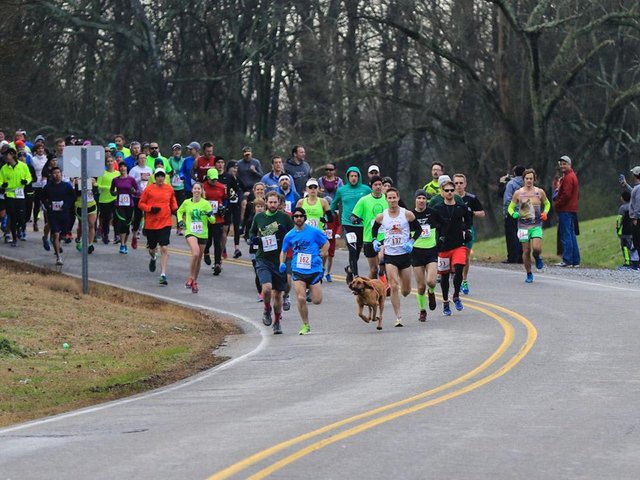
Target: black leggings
x,y
354,249
16,211
457,282
106,214
215,238
234,209
122,220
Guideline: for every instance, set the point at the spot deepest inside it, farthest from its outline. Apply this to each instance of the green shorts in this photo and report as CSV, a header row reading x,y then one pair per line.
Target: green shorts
x,y
524,235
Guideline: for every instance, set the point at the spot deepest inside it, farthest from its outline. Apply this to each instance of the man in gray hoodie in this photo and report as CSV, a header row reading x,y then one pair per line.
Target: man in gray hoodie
x,y
514,248
298,168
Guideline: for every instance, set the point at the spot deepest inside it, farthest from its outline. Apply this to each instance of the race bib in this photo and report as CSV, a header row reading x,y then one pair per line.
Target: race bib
x,y
176,181
393,240
313,222
352,238
214,206
196,227
19,192
426,231
90,196
329,234
523,234
287,206
269,243
57,206
124,200
303,261
444,264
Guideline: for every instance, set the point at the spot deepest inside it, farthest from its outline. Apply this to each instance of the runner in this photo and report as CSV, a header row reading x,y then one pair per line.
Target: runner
x,y
366,211
309,245
215,193
14,177
203,163
58,197
177,181
267,231
424,257
329,184
194,216
92,213
345,199
532,209
473,203
158,202
259,206
106,201
453,221
123,188
143,174
397,224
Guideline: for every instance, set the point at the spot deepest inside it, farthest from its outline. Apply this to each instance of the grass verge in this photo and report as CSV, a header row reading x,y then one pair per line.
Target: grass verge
x,y
60,350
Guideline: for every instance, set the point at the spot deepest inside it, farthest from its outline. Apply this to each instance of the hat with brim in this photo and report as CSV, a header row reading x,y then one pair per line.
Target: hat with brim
x,y
159,171
212,174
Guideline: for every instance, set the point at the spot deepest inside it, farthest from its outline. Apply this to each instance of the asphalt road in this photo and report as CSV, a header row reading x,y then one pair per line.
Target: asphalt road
x,y
528,381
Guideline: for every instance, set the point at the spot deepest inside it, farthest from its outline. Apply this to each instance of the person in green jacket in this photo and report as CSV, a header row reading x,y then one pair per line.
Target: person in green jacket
x,y
106,201
14,177
345,199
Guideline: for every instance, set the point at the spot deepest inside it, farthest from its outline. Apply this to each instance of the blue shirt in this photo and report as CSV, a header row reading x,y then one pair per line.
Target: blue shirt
x,y
306,245
185,172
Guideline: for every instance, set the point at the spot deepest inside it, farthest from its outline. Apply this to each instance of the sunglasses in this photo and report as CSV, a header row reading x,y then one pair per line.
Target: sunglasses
x,y
298,216
329,169
154,148
448,190
312,186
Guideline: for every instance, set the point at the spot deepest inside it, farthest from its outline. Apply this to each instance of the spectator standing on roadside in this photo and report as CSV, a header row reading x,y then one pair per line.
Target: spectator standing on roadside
x,y
566,206
298,168
514,248
634,207
624,230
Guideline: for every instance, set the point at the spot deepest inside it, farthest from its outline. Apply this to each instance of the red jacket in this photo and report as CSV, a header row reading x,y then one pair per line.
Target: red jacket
x,y
215,194
568,192
158,196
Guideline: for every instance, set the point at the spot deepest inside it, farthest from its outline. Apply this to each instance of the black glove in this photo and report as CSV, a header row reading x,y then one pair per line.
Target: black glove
x,y
222,211
254,241
210,213
4,185
133,190
355,219
324,219
181,224
23,181
154,210
466,236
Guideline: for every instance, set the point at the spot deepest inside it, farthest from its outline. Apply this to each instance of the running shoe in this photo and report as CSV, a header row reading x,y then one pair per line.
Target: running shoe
x,y
237,254
276,328
35,227
180,234
13,243
79,246
194,287
347,270
116,239
259,299
308,296
529,278
59,261
446,310
134,242
458,303
91,248
399,323
163,280
539,263
45,244
152,264
286,303
224,253
625,268
126,250
217,269
423,316
23,236
464,288
207,259
575,265
123,249
328,277
67,238
105,239
266,317
562,264
305,330
432,300
188,283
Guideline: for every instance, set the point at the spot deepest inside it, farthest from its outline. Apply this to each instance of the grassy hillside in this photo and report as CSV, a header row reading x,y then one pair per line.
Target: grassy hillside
x,y
599,245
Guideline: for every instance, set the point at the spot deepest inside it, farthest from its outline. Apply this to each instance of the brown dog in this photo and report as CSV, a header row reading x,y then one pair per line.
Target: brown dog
x,y
370,293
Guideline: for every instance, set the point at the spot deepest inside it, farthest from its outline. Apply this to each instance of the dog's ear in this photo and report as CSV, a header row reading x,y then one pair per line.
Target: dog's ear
x,y
366,283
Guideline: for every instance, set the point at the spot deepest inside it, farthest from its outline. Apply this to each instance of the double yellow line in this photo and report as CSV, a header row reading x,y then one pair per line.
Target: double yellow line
x,y
392,411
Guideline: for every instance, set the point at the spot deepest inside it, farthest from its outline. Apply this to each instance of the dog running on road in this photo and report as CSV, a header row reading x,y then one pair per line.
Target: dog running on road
x,y
370,293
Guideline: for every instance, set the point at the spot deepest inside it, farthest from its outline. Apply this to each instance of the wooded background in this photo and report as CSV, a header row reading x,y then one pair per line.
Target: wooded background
x,y
478,85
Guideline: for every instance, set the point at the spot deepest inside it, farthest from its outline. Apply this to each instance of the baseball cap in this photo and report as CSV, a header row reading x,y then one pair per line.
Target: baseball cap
x,y
112,146
195,145
159,171
176,146
19,144
442,179
212,173
231,164
373,168
636,170
565,158
312,181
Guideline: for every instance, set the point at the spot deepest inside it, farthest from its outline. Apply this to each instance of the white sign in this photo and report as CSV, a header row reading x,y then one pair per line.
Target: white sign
x,y
72,154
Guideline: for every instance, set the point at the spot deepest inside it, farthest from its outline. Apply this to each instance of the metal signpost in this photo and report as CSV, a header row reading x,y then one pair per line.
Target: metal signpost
x,y
84,162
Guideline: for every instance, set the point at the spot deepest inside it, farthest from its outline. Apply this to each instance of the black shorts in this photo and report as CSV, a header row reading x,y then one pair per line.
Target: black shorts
x,y
158,237
421,257
93,209
308,278
268,273
201,241
368,250
59,222
399,261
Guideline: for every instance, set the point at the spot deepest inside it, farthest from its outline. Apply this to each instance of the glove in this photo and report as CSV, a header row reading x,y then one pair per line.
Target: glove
x,y
23,181
210,213
337,235
515,215
4,185
133,190
254,241
222,211
355,219
154,210
543,216
376,245
466,236
180,224
408,247
282,268
324,219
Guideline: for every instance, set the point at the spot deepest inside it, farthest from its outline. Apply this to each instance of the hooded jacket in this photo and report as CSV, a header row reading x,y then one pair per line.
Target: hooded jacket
x,y
348,195
299,172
